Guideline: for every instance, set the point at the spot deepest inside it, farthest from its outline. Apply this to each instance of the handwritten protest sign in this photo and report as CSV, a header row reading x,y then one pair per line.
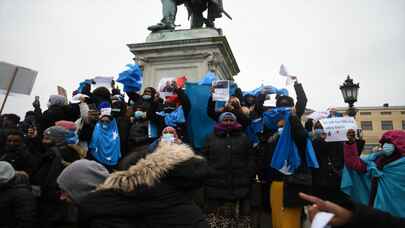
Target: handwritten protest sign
x,y
336,128
221,90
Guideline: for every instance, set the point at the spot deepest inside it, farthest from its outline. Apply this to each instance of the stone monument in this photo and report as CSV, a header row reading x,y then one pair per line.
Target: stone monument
x,y
190,53
170,53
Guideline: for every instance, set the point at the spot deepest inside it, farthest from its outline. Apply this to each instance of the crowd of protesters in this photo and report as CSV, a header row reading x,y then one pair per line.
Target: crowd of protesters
x,y
106,161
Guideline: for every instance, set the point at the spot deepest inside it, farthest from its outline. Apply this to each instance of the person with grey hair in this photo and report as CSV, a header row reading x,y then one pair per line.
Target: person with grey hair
x,y
17,203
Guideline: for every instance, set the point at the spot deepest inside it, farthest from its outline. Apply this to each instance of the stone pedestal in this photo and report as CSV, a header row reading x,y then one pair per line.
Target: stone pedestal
x,y
185,52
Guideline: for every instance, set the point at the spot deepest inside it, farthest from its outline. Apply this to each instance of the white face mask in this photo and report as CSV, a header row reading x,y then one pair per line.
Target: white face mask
x,y
388,149
168,137
280,130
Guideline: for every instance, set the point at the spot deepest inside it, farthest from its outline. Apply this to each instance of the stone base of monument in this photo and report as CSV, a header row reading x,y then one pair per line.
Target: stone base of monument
x,y
185,52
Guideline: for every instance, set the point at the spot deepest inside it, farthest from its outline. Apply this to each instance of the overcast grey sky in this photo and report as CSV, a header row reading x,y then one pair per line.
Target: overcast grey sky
x,y
321,41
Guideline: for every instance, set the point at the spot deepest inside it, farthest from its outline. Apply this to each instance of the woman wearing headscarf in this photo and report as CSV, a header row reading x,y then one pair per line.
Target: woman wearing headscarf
x,y
229,154
233,105
377,179
155,192
105,142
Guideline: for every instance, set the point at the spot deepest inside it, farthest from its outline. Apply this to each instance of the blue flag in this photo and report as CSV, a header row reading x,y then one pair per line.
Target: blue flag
x,y
105,144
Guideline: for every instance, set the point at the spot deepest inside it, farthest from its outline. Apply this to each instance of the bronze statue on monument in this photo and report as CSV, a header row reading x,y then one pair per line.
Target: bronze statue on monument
x,y
195,9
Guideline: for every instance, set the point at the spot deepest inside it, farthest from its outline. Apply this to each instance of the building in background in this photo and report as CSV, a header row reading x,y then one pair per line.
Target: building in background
x,y
374,121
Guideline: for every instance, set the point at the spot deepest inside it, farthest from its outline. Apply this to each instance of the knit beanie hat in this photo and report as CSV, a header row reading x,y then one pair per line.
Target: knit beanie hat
x,y
56,134
82,177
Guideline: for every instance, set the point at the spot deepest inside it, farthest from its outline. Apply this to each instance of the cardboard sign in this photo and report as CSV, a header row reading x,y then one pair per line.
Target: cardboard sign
x,y
336,128
62,91
221,90
23,82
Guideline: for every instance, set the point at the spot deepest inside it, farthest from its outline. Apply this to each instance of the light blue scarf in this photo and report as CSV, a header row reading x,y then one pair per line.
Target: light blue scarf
x,y
173,118
105,144
391,185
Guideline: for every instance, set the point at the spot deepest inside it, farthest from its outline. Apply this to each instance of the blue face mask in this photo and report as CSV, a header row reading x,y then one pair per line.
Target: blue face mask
x,y
139,115
280,130
388,149
318,132
146,97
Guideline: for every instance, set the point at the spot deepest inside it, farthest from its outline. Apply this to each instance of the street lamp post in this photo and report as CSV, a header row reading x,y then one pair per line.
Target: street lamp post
x,y
350,92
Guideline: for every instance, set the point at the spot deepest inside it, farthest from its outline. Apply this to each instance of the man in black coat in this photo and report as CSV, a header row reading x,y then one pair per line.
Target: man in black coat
x,y
327,179
17,203
17,154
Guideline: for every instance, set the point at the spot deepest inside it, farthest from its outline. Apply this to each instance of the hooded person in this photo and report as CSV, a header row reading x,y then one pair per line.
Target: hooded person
x,y
78,180
17,203
229,153
377,178
169,135
105,142
154,192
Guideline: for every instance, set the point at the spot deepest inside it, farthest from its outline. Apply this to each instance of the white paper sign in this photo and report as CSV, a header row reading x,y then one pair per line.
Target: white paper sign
x,y
322,219
221,90
283,72
318,115
336,128
102,82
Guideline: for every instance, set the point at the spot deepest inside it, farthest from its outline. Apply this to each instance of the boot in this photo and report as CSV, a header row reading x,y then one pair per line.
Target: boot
x,y
209,23
164,24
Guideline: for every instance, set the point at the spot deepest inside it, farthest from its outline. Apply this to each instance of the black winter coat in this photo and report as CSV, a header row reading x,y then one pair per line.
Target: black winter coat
x,y
17,206
138,135
21,159
56,113
231,157
327,179
364,216
331,162
159,196
124,125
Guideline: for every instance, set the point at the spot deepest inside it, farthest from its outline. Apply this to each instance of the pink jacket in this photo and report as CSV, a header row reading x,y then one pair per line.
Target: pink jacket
x,y
352,160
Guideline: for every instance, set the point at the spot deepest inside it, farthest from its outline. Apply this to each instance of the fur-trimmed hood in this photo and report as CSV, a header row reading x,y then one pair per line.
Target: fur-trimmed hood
x,y
148,171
